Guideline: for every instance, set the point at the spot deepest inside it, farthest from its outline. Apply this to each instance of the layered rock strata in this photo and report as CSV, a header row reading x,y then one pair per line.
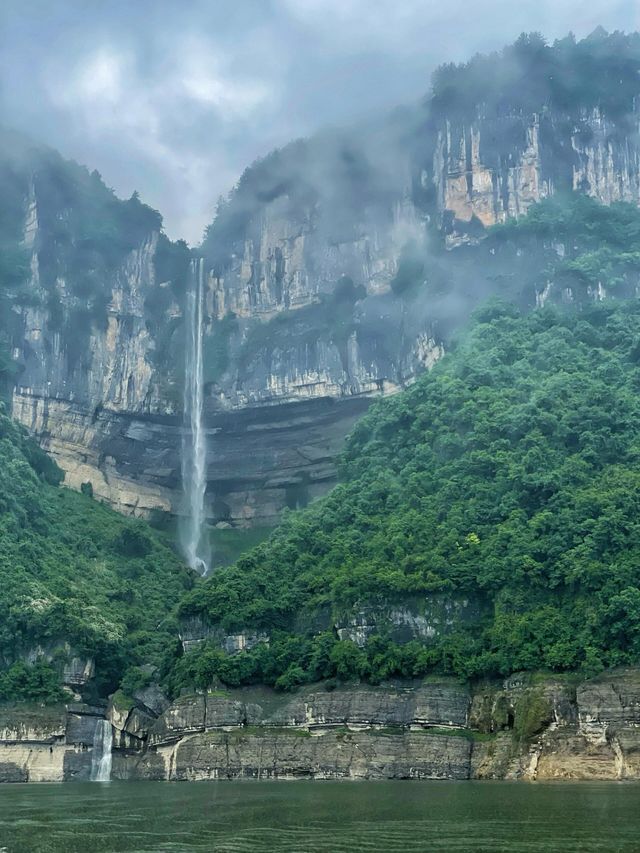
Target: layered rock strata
x,y
528,727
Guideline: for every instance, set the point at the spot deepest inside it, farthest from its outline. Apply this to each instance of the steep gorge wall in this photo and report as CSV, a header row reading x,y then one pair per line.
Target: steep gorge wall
x,y
489,169
290,366
75,401
318,295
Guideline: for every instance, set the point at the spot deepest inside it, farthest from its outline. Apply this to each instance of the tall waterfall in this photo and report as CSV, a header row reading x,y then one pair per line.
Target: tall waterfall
x,y
194,449
101,753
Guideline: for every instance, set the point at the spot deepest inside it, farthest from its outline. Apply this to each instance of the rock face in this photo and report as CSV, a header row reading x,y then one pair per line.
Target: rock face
x,y
47,745
418,617
527,727
489,169
302,332
310,267
280,754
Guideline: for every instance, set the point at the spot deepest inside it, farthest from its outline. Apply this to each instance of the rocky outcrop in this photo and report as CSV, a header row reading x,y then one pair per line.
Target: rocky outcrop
x,y
70,376
282,754
417,617
195,630
527,727
414,618
47,745
491,168
346,733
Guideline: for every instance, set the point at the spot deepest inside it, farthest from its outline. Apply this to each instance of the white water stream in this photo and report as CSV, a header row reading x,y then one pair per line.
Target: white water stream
x,y
194,449
101,753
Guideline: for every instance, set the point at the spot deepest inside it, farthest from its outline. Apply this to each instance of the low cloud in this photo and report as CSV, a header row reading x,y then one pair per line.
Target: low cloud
x,y
175,99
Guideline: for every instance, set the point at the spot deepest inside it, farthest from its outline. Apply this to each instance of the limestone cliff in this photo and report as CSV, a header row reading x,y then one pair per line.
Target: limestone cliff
x,y
321,289
302,330
487,169
527,727
73,400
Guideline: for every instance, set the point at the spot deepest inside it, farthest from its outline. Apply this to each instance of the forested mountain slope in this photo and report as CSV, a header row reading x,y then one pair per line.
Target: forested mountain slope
x,y
487,518
86,595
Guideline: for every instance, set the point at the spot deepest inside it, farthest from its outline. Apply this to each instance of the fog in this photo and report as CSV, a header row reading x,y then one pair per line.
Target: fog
x,y
174,99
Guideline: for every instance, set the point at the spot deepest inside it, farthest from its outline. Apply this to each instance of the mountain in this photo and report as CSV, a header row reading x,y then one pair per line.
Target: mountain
x,y
90,278
485,523
464,592
330,268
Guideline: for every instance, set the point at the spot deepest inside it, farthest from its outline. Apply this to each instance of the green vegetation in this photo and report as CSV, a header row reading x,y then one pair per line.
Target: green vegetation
x,y
568,247
507,478
533,713
493,481
510,476
228,545
37,682
601,70
588,244
81,234
77,579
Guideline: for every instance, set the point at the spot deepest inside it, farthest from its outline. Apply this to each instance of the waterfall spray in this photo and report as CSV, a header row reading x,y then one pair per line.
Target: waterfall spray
x,y
101,753
194,450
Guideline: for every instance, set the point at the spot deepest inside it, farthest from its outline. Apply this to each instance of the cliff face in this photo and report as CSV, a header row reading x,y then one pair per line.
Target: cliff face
x,y
78,402
320,294
302,330
79,323
523,728
47,745
489,169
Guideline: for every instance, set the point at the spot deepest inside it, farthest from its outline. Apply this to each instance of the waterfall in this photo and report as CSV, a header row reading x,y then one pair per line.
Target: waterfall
x,y
194,450
101,753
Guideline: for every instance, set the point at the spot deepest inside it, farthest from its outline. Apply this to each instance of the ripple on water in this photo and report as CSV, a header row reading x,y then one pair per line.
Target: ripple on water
x,y
321,818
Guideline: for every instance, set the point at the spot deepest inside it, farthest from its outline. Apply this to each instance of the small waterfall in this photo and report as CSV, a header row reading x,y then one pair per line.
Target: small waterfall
x,y
194,449
101,753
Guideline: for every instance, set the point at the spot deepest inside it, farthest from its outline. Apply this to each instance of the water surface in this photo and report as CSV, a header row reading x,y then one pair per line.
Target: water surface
x,y
149,817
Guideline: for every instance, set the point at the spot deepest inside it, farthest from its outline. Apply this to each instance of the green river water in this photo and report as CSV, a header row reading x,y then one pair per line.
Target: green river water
x,y
320,816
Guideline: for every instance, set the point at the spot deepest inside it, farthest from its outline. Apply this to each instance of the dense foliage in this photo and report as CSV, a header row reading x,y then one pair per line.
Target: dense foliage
x,y
601,70
586,245
568,247
509,476
76,579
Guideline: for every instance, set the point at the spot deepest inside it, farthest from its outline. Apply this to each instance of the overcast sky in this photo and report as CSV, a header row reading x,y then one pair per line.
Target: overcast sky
x,y
175,97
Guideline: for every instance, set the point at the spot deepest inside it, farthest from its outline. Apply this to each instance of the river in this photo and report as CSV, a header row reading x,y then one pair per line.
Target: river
x,y
456,817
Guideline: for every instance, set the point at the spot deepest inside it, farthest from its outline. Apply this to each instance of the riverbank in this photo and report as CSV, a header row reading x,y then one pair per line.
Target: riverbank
x,y
527,727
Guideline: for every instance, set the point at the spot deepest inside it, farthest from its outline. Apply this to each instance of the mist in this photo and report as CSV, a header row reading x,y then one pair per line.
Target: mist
x,y
175,105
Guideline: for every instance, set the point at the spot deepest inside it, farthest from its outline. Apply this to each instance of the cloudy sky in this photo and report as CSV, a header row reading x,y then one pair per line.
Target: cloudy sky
x,y
175,97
